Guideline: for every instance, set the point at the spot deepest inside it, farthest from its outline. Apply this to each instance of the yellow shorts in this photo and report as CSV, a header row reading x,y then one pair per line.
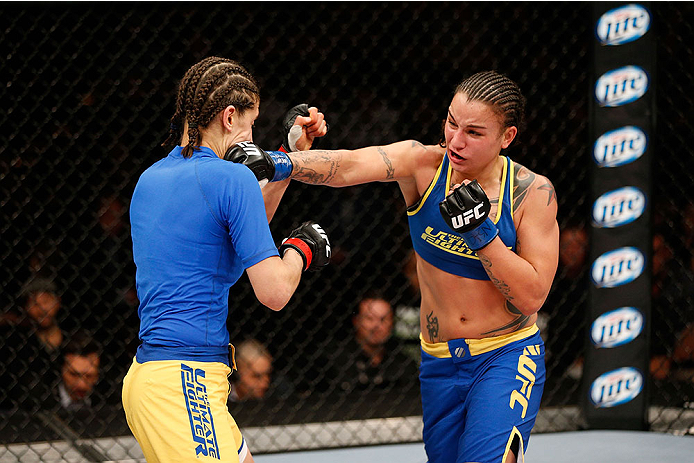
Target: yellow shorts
x,y
177,411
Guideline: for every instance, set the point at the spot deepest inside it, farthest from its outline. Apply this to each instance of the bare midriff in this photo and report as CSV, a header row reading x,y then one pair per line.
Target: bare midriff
x,y
456,307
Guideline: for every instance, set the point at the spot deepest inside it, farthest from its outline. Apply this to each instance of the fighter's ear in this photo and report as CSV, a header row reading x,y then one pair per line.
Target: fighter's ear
x,y
228,116
508,136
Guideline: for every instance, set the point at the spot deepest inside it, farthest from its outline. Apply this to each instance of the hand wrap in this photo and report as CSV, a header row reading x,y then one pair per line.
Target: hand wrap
x,y
290,132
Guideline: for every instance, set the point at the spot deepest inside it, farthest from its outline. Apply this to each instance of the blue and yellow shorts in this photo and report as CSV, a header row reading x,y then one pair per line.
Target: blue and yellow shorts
x,y
177,411
480,397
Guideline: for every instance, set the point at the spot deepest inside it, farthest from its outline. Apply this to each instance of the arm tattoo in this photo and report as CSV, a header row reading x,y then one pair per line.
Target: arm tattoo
x,y
500,285
433,327
416,144
519,321
522,181
549,188
316,166
390,171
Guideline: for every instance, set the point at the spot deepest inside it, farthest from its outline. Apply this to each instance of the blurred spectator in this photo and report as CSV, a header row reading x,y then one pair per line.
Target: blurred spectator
x,y
672,299
107,305
113,278
683,355
42,303
254,369
688,229
573,246
79,373
372,359
566,306
43,260
661,326
30,348
407,309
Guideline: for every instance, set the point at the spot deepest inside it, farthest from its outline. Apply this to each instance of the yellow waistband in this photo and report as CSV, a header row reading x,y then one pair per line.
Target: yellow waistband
x,y
478,346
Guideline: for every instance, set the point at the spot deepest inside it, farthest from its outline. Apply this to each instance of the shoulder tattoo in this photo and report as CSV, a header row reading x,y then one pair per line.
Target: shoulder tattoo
x,y
549,188
523,178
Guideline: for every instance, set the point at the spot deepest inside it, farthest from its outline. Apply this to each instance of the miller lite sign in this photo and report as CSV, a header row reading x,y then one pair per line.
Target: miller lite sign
x,y
617,267
620,146
616,327
623,25
618,207
621,86
616,387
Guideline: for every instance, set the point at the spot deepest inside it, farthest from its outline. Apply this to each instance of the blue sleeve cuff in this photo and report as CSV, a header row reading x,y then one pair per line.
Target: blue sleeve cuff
x,y
481,236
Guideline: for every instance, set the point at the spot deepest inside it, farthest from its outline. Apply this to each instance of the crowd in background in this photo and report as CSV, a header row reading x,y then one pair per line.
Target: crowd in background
x,y
81,131
68,362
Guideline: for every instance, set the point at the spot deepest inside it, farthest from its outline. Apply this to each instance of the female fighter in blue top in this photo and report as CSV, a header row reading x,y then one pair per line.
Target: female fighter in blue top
x,y
197,223
486,237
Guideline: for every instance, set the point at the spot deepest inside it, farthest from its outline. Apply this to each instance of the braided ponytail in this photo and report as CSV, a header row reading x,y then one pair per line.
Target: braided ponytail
x,y
207,88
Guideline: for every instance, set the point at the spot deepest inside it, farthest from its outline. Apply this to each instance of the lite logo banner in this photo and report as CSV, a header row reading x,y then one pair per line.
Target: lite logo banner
x,y
616,387
623,25
620,146
621,86
618,267
616,327
622,111
618,207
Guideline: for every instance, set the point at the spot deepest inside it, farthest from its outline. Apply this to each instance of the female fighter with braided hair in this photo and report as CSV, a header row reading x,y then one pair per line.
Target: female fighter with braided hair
x,y
486,237
197,223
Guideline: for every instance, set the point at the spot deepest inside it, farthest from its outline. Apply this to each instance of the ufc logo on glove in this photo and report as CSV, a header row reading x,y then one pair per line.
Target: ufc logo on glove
x,y
324,235
464,219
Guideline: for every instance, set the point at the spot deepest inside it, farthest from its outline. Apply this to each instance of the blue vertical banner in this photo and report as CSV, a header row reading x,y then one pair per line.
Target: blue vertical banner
x,y
622,121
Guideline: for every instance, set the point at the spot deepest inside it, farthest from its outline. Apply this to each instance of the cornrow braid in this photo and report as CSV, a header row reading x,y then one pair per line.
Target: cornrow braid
x,y
214,91
235,92
207,88
177,120
500,92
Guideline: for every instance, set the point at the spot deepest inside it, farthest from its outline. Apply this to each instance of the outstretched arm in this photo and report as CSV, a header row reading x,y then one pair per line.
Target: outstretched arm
x,y
409,163
340,168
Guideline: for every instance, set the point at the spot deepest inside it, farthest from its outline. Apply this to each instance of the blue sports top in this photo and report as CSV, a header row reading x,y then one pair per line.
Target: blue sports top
x,y
197,223
438,244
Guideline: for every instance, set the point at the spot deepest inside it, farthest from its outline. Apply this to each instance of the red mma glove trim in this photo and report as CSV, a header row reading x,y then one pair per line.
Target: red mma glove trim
x,y
303,247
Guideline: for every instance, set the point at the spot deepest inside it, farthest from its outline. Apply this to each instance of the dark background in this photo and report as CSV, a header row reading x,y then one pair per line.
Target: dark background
x,y
86,96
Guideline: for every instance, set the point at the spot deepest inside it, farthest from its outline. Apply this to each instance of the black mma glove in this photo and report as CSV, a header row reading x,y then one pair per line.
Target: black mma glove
x,y
268,166
291,136
466,211
312,244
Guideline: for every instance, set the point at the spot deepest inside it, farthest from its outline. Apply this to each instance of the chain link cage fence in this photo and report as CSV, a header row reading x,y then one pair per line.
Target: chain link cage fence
x,y
87,94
